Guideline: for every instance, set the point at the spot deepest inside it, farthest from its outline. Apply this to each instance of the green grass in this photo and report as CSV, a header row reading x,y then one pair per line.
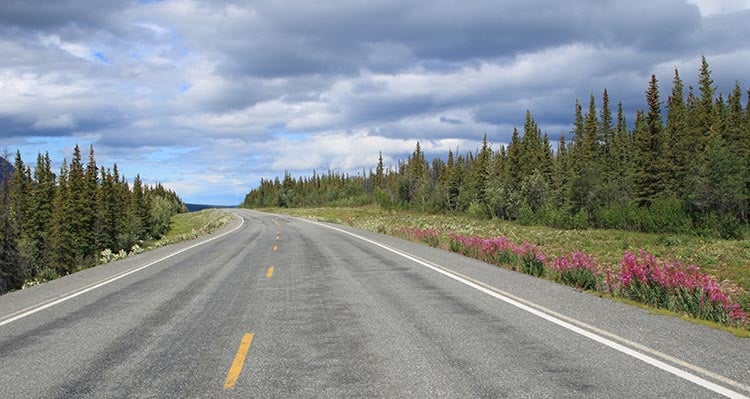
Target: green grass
x,y
736,331
725,259
186,226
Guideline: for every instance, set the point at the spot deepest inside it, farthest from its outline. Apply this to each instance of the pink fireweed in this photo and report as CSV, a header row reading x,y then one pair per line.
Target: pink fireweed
x,y
642,277
577,269
675,287
500,251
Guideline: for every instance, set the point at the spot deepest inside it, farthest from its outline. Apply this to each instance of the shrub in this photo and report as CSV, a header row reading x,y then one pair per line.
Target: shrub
x,y
729,228
478,211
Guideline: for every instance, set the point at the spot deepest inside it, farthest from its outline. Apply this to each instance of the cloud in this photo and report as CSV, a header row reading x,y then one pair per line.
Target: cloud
x,y
211,96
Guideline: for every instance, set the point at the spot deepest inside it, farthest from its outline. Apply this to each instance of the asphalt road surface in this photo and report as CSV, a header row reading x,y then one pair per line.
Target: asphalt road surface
x,y
274,306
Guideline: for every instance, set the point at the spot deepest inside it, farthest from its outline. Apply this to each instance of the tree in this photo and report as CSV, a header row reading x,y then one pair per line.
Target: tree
x,y
379,172
678,139
706,112
720,185
649,141
605,134
41,202
10,273
591,139
482,169
515,160
63,250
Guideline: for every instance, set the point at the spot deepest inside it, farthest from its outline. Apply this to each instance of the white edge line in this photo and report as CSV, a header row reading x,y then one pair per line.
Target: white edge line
x,y
65,297
598,338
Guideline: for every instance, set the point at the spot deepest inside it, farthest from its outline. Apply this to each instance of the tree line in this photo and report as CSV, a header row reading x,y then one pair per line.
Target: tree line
x,y
55,224
683,167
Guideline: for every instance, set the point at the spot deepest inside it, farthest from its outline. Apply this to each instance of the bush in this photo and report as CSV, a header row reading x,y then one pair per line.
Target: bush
x,y
44,275
730,228
665,215
526,215
478,211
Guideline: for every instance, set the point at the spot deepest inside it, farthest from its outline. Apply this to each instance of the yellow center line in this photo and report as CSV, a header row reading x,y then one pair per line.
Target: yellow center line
x,y
275,247
269,273
239,361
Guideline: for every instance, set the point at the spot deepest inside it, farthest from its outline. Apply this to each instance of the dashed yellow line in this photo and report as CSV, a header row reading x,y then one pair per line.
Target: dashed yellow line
x,y
275,248
239,361
269,273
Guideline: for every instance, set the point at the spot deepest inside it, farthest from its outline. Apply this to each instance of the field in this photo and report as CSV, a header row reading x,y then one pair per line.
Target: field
x,y
728,261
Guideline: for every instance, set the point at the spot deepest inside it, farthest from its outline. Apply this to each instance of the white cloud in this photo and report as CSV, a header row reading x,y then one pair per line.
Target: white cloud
x,y
713,7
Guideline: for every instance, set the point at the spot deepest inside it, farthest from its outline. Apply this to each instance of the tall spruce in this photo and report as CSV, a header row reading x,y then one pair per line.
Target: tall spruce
x,y
678,137
63,247
42,198
11,275
649,140
706,112
605,134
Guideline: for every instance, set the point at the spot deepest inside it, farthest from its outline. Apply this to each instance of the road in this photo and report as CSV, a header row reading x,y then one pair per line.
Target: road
x,y
280,307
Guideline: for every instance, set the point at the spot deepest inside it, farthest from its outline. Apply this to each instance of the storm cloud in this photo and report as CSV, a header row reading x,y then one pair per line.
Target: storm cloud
x,y
210,96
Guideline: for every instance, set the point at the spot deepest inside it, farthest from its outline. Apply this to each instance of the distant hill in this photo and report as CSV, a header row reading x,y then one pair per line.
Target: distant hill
x,y
5,166
200,207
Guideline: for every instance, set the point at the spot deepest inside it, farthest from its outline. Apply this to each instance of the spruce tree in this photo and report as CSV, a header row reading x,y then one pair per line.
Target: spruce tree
x,y
19,195
11,274
379,178
678,138
41,203
735,121
649,140
482,171
706,112
62,245
562,172
605,134
515,159
578,153
590,156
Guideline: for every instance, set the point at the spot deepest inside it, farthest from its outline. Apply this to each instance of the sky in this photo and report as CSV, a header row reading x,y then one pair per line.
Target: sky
x,y
208,97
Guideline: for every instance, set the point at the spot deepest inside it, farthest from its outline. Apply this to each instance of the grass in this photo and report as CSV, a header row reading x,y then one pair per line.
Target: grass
x,y
736,331
728,261
187,226
201,221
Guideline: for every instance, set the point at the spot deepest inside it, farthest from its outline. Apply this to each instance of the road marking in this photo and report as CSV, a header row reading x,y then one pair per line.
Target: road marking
x,y
572,324
275,248
238,362
70,295
269,273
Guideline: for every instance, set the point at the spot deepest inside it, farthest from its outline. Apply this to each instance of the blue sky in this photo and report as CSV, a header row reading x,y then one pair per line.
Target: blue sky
x,y
208,97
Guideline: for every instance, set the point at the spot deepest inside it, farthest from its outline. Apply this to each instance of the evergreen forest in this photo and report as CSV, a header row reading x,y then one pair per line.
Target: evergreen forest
x,y
55,224
682,166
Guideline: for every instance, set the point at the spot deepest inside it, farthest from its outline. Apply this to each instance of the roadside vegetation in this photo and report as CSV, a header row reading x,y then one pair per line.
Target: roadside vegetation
x,y
53,224
684,174
183,227
652,269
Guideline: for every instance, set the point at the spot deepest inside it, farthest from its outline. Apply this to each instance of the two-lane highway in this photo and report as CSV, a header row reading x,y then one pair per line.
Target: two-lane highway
x,y
280,307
